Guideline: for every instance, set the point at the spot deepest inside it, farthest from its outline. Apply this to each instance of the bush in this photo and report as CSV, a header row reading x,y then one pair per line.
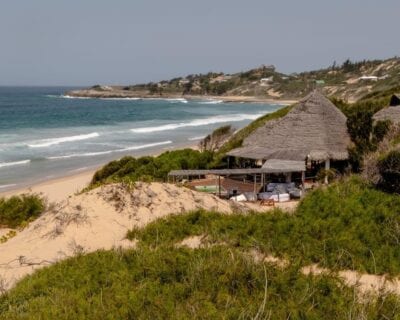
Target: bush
x,y
389,169
347,225
152,168
20,209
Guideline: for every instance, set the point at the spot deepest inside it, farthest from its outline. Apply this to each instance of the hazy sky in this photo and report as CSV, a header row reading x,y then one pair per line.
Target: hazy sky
x,y
71,42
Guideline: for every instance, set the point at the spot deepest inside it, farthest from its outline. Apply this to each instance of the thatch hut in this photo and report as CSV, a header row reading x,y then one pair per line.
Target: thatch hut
x,y
314,130
391,113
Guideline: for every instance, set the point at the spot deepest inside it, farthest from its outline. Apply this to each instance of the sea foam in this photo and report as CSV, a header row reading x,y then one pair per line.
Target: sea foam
x,y
49,142
211,102
15,163
92,154
199,122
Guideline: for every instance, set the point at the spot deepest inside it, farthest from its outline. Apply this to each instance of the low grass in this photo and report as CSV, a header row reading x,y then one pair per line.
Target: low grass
x,y
178,283
347,225
19,210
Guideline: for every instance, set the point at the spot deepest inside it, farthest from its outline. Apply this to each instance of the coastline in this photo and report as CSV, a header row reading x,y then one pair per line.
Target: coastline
x,y
121,94
60,188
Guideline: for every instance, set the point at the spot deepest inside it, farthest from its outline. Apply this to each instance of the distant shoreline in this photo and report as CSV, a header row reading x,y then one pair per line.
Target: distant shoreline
x,y
122,94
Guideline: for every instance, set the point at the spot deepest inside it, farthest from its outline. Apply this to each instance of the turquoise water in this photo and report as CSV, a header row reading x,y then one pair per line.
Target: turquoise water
x,y
45,135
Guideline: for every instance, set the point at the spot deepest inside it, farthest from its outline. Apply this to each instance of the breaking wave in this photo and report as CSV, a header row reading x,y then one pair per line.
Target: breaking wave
x,y
211,102
15,163
49,142
199,122
196,138
92,154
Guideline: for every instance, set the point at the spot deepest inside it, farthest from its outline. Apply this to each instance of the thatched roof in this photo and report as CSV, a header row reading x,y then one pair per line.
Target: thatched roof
x,y
314,128
275,165
389,113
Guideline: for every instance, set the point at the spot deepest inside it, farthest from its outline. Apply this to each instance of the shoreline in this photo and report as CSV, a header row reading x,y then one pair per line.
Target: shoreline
x,y
59,188
119,94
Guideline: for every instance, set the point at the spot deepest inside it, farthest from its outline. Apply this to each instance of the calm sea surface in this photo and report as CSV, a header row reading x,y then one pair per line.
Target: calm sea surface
x,y
44,135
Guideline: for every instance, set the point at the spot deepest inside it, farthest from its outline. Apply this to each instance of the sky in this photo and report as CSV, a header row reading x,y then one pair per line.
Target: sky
x,y
86,42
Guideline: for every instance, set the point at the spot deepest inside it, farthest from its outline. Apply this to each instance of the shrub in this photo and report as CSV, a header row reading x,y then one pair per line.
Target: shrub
x,y
389,169
18,210
152,168
178,283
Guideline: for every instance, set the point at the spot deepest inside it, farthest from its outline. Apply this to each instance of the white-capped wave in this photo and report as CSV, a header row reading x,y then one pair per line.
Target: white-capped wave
x,y
172,100
49,142
65,96
122,99
15,163
7,186
211,102
199,122
92,154
196,138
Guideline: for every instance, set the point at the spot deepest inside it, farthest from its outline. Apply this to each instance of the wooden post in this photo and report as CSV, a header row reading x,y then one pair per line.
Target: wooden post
x,y
219,186
327,167
255,182
303,178
262,180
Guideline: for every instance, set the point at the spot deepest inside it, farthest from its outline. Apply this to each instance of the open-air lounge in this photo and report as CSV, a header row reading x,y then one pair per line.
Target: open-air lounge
x,y
283,156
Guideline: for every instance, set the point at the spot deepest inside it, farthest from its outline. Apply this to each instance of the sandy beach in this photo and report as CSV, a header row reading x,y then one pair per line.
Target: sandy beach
x,y
56,189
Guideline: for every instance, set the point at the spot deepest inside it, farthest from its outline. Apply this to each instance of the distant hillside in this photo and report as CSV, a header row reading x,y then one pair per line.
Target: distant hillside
x,y
349,81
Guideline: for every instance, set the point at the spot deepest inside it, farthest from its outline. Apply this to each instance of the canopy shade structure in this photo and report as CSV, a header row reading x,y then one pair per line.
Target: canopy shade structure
x,y
271,166
314,129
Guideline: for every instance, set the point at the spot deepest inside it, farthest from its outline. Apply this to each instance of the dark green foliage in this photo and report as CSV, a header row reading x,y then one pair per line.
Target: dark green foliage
x,y
171,283
20,209
389,169
345,226
364,133
152,168
214,141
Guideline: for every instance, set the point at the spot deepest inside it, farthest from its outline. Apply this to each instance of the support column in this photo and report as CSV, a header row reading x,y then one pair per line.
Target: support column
x,y
303,178
219,186
288,177
327,167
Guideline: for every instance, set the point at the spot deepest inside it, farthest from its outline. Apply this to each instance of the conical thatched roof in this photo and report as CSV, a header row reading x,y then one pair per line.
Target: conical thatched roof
x,y
314,128
389,113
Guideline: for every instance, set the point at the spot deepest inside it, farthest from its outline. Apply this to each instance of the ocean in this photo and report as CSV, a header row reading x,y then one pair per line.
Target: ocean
x,y
46,135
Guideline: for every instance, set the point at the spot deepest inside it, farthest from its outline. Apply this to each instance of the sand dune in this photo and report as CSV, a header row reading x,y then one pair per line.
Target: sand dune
x,y
96,220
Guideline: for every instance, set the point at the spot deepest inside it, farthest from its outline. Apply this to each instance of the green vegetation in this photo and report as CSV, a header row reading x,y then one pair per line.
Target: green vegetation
x,y
348,225
342,80
179,283
389,169
151,168
364,133
19,210
216,139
